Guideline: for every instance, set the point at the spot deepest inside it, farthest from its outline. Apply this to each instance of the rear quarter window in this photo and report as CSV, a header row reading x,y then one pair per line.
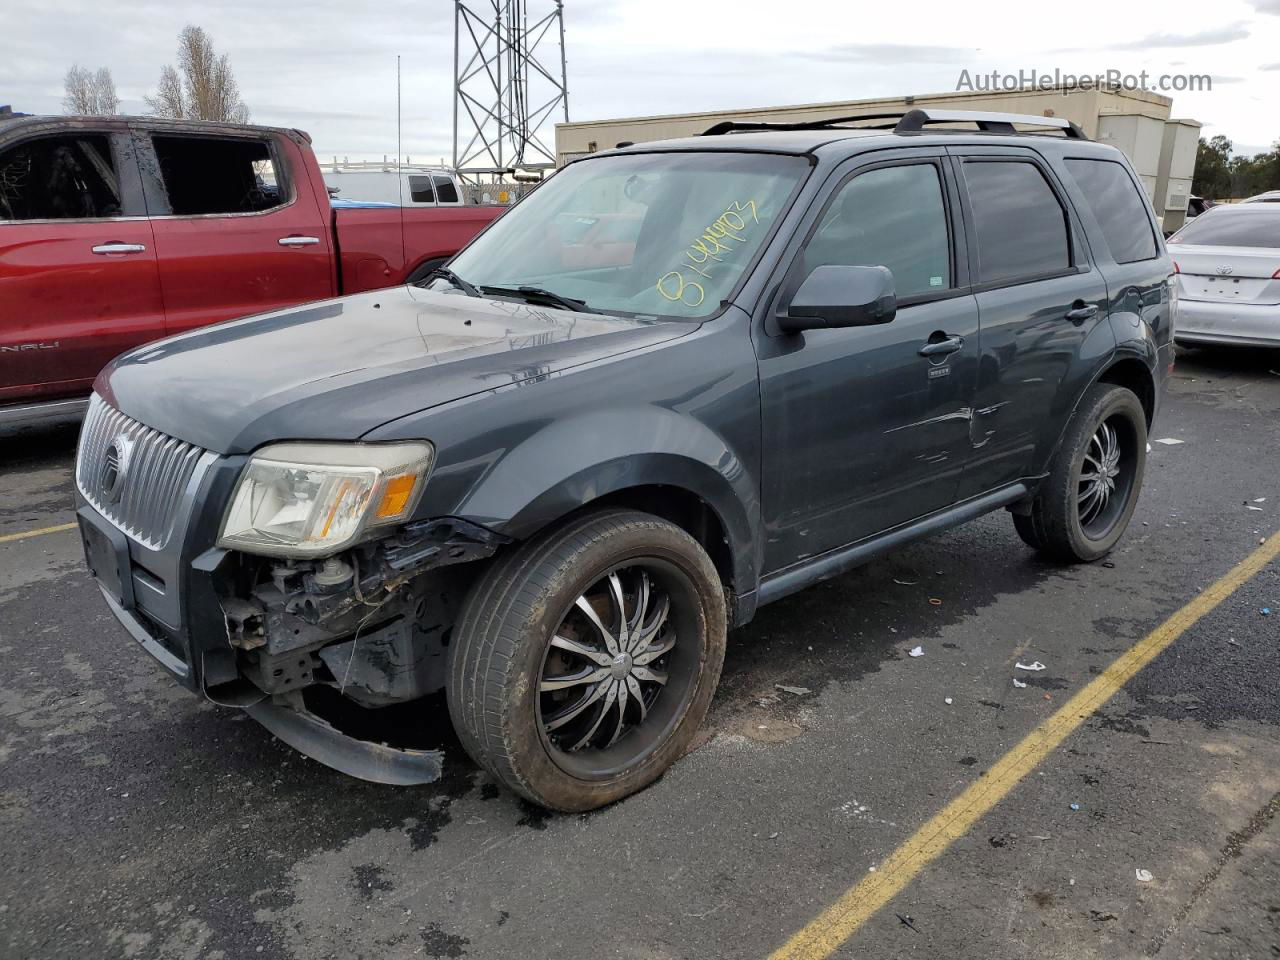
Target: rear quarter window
x,y
1118,206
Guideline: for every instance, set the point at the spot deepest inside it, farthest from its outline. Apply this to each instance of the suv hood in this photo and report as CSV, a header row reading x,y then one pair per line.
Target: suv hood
x,y
336,369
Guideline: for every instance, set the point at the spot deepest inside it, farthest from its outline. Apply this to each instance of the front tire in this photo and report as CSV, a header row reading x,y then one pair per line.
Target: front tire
x,y
1085,503
584,661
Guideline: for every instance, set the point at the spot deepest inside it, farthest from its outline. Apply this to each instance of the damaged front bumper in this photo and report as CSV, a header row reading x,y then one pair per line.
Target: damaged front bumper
x,y
290,720
253,633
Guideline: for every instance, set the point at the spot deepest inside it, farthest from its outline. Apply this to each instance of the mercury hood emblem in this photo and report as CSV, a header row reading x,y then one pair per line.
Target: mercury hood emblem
x,y
115,467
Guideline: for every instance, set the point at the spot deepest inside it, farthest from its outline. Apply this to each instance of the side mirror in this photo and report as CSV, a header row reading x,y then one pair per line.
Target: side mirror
x,y
840,296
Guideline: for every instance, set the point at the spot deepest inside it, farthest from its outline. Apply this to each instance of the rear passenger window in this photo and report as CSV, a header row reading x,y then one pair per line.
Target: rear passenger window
x,y
420,190
207,175
892,217
1021,226
1118,206
445,190
59,178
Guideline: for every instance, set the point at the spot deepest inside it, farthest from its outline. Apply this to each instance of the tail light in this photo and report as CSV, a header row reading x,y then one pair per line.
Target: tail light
x,y
1276,275
1178,269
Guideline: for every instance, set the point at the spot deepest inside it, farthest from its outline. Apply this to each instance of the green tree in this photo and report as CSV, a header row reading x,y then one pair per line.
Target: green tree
x,y
1213,169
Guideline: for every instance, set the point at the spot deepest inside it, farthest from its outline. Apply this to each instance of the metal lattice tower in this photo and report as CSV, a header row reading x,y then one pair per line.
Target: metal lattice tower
x,y
504,94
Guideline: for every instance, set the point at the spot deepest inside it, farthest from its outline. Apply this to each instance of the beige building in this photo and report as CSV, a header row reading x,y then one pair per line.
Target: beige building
x,y
1138,122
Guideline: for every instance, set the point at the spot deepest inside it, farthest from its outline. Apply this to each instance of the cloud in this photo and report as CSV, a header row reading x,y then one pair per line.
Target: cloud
x,y
890,53
1267,6
1270,66
1217,80
1205,38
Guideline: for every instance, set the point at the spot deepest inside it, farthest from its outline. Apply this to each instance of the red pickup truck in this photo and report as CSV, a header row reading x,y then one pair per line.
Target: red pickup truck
x,y
119,230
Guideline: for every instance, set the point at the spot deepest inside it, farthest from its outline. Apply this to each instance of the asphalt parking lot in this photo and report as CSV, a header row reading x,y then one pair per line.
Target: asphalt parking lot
x,y
139,821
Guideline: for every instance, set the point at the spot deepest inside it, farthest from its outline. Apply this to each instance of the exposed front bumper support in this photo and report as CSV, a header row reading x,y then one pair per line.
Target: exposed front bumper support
x,y
375,762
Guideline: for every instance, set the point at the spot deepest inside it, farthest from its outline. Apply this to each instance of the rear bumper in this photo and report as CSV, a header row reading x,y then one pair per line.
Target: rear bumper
x,y
1228,324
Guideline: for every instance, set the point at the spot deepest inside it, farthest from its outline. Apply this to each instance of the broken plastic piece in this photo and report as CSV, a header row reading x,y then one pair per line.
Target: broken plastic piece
x,y
798,691
947,701
1143,875
1018,683
1036,666
1075,806
919,651
1266,611
1169,441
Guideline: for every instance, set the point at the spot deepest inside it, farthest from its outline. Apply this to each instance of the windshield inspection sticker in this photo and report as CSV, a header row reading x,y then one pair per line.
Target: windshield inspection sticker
x,y
710,246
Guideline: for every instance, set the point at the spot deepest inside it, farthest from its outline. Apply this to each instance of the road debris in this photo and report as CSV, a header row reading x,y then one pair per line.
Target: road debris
x,y
1250,506
1143,875
919,651
1034,667
1019,684
935,601
1265,611
907,921
1169,441
796,691
1075,806
947,701
905,583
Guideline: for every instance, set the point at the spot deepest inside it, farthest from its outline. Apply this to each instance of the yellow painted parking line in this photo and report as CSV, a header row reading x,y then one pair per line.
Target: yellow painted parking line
x,y
39,532
826,932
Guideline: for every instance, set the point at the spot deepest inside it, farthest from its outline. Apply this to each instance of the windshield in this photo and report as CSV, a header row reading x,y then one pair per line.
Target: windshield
x,y
666,234
1234,228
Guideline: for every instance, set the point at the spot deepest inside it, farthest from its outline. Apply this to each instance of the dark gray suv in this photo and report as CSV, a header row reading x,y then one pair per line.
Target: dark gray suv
x,y
677,381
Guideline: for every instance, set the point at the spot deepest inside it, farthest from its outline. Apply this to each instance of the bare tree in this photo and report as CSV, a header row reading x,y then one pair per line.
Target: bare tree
x,y
90,94
202,86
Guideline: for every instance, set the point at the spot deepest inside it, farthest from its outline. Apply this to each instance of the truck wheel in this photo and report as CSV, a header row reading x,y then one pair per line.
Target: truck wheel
x,y
1084,505
585,660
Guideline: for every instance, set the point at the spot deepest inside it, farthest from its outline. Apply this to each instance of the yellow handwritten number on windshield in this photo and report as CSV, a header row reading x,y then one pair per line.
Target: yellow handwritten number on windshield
x,y
674,287
728,226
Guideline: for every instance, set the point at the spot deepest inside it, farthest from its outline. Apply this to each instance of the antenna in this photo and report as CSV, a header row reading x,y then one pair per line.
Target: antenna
x,y
399,178
504,93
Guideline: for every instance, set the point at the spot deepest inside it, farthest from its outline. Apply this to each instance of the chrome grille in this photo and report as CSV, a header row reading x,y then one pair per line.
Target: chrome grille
x,y
133,475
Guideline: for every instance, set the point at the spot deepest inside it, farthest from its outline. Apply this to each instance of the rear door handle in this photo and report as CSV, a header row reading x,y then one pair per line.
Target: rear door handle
x,y
298,241
107,249
940,348
1080,311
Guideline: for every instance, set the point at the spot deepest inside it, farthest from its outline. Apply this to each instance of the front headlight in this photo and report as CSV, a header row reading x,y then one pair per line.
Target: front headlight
x,y
314,499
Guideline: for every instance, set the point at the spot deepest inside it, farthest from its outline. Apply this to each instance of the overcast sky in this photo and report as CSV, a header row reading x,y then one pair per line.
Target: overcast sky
x,y
329,67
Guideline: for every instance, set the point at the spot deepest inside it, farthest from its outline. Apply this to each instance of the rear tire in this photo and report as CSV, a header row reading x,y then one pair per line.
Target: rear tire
x,y
637,614
1085,503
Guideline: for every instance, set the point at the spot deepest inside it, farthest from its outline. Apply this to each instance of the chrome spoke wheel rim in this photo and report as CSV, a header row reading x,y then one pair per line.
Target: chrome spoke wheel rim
x,y
616,673
1105,477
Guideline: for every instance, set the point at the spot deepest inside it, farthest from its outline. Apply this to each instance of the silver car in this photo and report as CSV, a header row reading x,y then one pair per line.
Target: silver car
x,y
1228,266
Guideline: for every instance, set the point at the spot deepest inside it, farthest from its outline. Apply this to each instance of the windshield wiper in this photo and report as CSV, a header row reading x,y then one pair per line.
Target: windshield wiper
x,y
540,295
444,273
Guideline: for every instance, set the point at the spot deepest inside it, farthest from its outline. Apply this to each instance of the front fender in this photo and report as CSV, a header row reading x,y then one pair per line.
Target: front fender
x,y
574,461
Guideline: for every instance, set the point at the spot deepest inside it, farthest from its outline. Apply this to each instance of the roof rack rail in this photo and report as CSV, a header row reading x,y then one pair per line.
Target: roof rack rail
x,y
912,121
915,121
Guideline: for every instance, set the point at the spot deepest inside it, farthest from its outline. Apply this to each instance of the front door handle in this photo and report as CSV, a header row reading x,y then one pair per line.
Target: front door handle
x,y
107,249
298,241
940,348
1081,311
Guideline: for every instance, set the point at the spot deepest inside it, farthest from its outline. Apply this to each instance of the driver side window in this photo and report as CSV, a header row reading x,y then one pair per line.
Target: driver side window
x,y
893,217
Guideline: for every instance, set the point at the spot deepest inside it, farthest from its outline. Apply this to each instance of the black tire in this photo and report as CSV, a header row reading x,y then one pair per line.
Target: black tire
x,y
502,658
1059,524
423,270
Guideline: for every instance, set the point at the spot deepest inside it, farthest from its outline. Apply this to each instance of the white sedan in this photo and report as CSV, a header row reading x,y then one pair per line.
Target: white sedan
x,y
1228,266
